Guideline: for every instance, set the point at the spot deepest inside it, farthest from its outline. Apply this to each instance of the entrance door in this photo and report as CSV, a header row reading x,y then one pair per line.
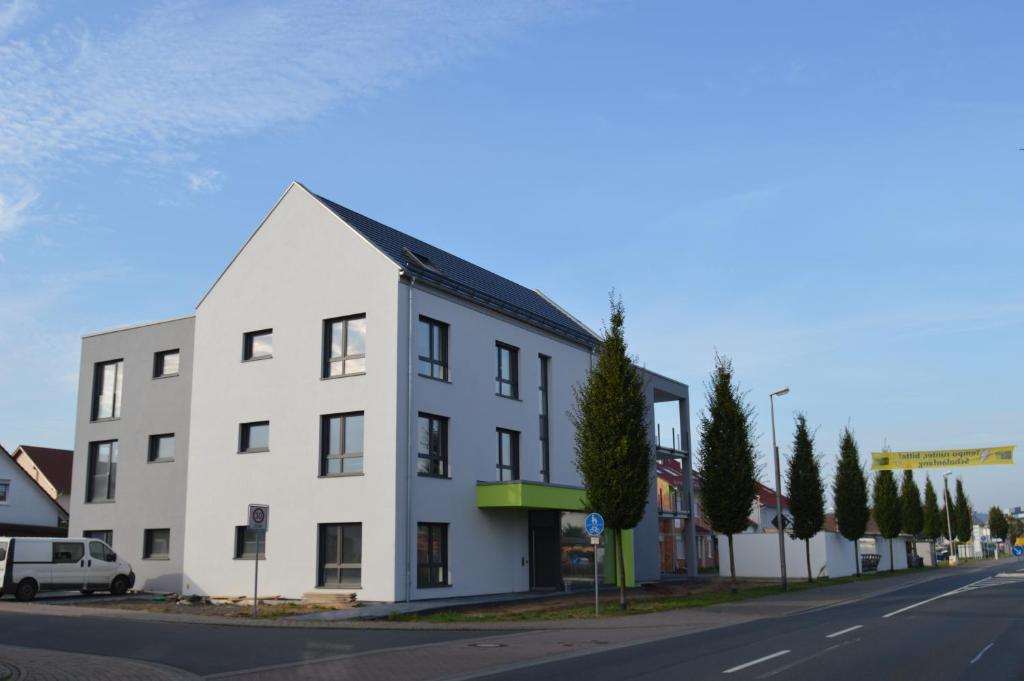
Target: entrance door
x,y
545,550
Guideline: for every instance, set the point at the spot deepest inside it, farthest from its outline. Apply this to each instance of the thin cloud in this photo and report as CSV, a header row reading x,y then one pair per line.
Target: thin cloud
x,y
184,71
205,181
14,13
14,212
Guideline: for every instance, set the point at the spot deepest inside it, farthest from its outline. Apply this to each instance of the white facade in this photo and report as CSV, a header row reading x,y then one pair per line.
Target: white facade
x,y
303,266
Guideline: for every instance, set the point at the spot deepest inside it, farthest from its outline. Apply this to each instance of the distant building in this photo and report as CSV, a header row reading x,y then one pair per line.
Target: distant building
x,y
34,486
764,512
674,506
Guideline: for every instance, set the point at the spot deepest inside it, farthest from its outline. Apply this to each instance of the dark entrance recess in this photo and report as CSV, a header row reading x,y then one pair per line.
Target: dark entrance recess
x,y
545,551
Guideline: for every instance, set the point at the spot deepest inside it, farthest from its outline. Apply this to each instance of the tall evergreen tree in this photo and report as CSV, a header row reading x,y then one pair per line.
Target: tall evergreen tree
x,y
887,509
997,524
911,512
727,464
850,492
613,446
933,520
963,522
806,491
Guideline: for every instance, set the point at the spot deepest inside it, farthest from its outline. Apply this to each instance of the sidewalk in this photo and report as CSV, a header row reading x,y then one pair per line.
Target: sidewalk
x,y
34,664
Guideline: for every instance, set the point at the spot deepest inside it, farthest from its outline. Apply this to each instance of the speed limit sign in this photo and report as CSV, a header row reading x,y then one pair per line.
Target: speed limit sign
x,y
259,517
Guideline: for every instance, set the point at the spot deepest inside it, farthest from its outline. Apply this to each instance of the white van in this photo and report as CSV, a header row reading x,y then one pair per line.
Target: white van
x,y
32,564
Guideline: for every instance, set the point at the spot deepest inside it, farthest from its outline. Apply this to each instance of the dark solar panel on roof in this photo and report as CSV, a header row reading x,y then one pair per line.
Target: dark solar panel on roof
x,y
464,277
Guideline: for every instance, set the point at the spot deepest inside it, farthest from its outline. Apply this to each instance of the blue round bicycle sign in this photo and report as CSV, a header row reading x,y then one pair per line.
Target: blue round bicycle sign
x,y
1018,551
594,525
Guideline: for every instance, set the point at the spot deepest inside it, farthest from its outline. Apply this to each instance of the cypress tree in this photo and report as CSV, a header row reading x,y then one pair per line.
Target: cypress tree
x,y
963,525
850,492
933,518
997,524
727,464
806,491
887,509
613,444
911,512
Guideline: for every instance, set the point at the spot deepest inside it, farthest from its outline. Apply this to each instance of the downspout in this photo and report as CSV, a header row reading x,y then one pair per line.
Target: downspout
x,y
408,451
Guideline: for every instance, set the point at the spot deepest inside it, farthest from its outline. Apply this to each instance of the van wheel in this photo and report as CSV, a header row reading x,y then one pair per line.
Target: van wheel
x,y
27,590
119,587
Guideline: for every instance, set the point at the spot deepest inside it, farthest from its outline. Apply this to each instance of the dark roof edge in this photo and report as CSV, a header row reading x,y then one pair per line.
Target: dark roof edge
x,y
36,482
497,305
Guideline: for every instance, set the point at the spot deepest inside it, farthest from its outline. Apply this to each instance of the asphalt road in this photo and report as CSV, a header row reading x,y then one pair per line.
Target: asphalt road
x,y
201,648
973,629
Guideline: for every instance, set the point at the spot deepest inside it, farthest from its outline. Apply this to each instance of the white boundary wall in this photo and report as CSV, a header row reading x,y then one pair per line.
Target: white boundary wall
x,y
757,555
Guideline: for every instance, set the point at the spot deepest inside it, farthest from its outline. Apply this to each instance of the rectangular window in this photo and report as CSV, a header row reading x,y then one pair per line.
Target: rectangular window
x,y
157,544
508,371
5,489
102,471
105,536
165,363
161,447
258,345
433,348
433,446
431,555
508,455
246,541
68,552
341,444
108,377
545,446
344,346
254,437
340,555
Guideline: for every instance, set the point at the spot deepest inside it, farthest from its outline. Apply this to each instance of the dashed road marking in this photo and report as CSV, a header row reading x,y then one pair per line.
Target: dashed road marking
x,y
757,661
845,631
983,651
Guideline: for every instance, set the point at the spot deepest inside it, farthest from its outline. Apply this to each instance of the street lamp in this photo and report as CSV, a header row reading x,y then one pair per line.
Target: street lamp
x,y
778,490
949,523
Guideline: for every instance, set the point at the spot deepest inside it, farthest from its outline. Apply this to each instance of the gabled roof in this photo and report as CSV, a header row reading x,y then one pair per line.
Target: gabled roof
x,y
766,495
670,471
459,277
55,464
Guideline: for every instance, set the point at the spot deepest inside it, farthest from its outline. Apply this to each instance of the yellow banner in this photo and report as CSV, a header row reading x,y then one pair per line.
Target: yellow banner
x,y
942,458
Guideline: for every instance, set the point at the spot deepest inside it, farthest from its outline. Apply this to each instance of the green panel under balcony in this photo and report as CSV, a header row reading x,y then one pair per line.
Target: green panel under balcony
x,y
530,495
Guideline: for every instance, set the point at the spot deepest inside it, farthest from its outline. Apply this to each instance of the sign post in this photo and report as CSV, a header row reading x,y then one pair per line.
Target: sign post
x,y
258,520
594,526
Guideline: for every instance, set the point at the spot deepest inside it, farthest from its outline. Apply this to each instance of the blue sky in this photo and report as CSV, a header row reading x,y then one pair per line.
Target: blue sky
x,y
827,193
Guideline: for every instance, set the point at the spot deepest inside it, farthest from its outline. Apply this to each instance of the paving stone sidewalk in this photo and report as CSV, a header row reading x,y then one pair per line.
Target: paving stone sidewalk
x,y
35,664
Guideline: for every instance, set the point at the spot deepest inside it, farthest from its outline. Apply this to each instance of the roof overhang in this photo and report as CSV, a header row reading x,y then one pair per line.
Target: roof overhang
x,y
530,495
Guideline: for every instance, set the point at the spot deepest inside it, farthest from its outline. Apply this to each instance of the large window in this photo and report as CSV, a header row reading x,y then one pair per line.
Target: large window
x,y
105,536
108,378
68,552
433,446
431,555
247,540
258,344
5,490
508,455
254,437
341,555
166,363
157,544
341,444
508,371
161,447
344,346
433,349
545,445
102,481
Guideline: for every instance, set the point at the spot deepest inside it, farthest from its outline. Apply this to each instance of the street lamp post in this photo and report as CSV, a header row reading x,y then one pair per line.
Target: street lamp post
x,y
778,491
949,523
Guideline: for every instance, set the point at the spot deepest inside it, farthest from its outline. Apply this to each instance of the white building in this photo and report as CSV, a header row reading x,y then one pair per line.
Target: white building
x,y
31,491
402,411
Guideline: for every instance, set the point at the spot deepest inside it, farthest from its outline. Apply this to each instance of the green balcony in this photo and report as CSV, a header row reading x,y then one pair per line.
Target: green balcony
x,y
537,496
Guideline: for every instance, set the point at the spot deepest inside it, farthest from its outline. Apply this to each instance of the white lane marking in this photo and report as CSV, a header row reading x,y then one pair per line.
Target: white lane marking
x,y
757,661
794,663
983,651
845,631
934,598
